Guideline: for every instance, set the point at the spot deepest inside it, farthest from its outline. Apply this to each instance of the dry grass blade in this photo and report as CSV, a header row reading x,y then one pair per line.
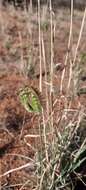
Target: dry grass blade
x,y
40,53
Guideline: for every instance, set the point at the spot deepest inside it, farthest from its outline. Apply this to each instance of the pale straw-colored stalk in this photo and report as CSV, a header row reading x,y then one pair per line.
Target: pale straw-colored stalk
x,y
80,35
22,65
52,65
45,70
40,52
68,51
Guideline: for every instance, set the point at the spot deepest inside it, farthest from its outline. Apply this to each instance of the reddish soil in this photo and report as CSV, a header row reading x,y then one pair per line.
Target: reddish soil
x,y
19,43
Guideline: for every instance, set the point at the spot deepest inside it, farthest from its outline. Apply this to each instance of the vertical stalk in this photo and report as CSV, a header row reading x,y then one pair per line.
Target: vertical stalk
x,y
47,101
80,35
22,56
31,5
51,68
40,54
69,45
45,70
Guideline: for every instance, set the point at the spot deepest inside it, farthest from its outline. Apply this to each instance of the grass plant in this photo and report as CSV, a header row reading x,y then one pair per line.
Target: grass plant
x,y
60,155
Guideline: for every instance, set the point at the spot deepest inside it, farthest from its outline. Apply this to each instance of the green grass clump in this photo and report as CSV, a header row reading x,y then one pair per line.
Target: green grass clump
x,y
66,160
